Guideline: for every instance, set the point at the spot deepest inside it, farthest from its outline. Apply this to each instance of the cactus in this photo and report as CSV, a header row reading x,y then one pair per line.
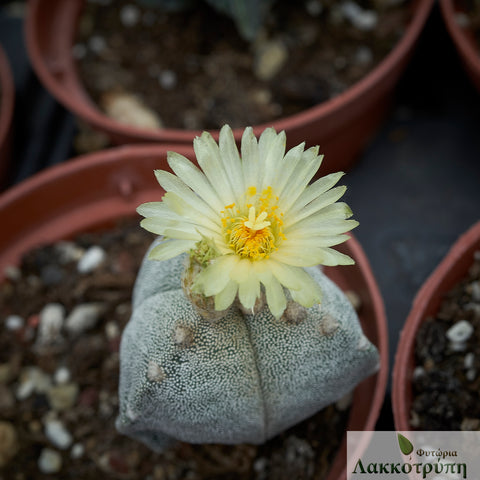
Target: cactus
x,y
236,335
248,15
242,378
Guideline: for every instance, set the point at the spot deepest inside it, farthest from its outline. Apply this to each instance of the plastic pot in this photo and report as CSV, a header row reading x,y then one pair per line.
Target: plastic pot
x,y
463,39
451,269
94,190
7,88
342,126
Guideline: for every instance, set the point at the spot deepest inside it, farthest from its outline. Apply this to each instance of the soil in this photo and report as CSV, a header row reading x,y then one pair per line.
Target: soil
x,y
58,386
192,70
446,380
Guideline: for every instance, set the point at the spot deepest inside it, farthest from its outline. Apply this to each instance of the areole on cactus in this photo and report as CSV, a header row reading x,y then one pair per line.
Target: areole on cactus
x,y
240,243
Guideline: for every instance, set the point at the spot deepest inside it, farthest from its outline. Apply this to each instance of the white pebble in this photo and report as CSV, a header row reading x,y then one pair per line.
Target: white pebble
x,y
56,432
12,272
14,322
471,374
50,461
77,451
460,332
97,44
91,259
314,8
418,372
476,291
469,360
112,330
167,79
69,251
364,20
51,320
129,15
61,375
32,379
83,317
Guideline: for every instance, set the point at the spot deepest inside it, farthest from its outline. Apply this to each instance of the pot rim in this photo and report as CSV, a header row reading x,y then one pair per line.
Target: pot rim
x,y
448,272
119,179
6,107
323,110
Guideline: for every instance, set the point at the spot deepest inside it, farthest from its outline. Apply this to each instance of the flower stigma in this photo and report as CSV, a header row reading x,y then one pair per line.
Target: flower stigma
x,y
253,236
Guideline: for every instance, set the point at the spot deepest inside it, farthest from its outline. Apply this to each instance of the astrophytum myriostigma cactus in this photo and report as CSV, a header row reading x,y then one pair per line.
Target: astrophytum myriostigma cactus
x,y
236,334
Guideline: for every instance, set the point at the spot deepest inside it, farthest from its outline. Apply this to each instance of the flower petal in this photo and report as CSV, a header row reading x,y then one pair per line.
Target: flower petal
x,y
250,159
170,248
226,297
213,279
309,295
210,159
195,179
276,300
271,149
248,292
324,200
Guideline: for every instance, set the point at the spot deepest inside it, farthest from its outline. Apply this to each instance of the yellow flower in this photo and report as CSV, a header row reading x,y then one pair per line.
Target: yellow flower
x,y
256,214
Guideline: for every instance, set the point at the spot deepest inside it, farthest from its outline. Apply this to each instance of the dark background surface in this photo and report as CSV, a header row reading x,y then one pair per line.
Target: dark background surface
x,y
414,190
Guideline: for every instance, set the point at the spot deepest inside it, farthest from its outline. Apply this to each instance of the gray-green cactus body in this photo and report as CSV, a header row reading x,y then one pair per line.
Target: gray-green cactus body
x,y
242,378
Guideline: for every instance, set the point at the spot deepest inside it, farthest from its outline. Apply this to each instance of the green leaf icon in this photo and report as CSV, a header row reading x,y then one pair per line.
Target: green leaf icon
x,y
405,445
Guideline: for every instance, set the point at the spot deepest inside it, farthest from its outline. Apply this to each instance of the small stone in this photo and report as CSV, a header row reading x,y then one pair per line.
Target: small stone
x,y
460,332
167,79
155,372
126,108
63,396
314,8
50,461
12,273
5,372
344,402
112,330
470,424
7,400
418,372
68,252
51,275
61,375
14,322
469,360
462,20
97,44
363,343
8,443
32,380
365,20
363,56
475,288
91,259
270,57
84,317
56,433
129,15
77,451
471,374
51,320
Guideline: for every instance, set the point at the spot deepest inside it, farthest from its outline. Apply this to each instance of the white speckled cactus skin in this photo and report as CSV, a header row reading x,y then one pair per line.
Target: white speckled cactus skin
x,y
243,378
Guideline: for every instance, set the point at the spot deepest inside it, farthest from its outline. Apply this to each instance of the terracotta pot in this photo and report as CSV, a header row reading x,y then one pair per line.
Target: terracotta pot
x,y
92,191
451,269
7,88
342,126
463,40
